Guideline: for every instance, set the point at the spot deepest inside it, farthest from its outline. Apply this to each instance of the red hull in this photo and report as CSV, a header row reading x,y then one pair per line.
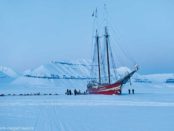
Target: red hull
x,y
109,89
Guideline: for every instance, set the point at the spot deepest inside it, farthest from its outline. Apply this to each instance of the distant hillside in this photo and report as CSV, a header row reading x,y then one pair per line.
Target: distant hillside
x,y
61,70
154,78
6,72
81,69
58,76
7,75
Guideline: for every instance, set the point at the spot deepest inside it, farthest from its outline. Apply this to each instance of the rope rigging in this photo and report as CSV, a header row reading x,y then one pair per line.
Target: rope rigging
x,y
102,56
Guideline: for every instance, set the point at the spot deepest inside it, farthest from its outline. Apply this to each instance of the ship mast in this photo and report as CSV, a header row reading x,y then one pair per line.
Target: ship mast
x,y
107,51
98,55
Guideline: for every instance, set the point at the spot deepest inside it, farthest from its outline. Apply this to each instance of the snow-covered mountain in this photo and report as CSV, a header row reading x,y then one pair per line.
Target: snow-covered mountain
x,y
79,69
60,75
7,72
154,78
7,75
57,76
60,70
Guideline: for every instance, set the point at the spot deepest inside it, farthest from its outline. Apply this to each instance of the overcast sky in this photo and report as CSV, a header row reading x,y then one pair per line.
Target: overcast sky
x,y
34,32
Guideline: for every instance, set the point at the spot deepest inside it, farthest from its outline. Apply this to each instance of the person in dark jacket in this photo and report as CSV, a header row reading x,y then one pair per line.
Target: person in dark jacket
x,y
133,91
75,92
67,92
129,91
70,93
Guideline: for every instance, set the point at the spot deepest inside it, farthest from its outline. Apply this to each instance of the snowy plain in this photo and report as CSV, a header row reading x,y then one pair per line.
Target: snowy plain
x,y
151,108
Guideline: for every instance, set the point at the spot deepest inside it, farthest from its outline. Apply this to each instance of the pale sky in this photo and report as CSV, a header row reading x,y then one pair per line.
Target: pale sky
x,y
34,32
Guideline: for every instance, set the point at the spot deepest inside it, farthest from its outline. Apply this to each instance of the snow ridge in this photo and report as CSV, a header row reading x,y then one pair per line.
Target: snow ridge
x,y
60,70
7,72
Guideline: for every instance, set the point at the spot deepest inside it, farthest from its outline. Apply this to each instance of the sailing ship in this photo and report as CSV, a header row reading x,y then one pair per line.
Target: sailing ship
x,y
108,86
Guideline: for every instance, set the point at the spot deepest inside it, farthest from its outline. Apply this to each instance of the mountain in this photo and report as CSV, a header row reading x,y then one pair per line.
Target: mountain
x,y
79,69
6,72
7,75
57,76
60,70
154,78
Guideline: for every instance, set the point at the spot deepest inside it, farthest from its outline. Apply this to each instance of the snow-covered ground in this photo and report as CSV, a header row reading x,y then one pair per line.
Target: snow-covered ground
x,y
149,109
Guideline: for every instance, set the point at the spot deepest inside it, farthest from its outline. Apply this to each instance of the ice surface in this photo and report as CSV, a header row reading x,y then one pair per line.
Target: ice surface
x,y
149,109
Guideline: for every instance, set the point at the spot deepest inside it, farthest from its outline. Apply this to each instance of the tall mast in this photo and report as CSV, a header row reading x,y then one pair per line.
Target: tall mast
x,y
98,55
107,51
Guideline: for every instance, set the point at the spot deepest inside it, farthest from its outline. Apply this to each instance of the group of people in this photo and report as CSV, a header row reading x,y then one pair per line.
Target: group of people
x,y
68,92
76,92
129,91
